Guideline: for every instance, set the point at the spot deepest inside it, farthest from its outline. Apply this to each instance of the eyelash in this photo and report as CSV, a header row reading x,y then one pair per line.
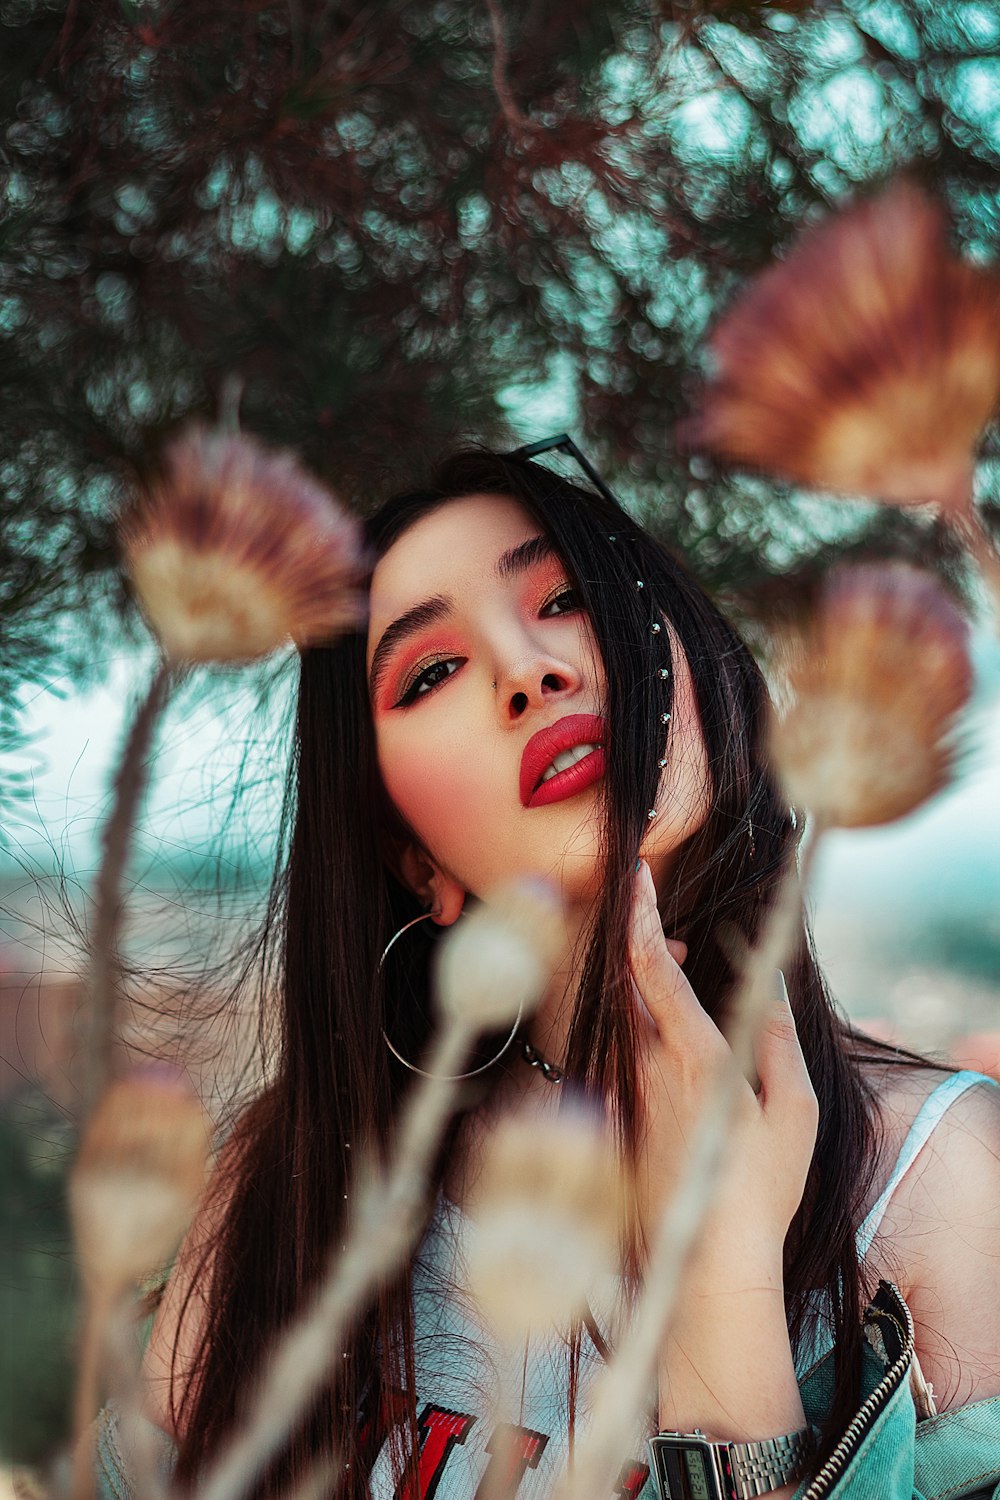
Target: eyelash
x,y
410,695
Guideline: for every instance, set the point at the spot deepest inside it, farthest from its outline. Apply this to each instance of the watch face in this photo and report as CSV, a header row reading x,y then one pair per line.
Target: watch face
x,y
686,1469
697,1476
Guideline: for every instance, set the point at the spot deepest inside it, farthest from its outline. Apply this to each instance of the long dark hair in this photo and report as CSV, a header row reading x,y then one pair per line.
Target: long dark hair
x,y
290,1164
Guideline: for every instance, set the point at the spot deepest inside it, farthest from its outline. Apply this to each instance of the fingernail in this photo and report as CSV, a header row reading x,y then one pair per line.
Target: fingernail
x,y
638,866
781,989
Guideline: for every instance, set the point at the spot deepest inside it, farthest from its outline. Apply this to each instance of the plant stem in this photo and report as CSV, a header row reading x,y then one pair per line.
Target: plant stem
x,y
141,1441
97,1311
384,1230
496,1483
621,1391
103,983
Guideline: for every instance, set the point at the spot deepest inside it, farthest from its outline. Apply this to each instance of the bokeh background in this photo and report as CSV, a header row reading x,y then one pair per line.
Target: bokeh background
x,y
394,225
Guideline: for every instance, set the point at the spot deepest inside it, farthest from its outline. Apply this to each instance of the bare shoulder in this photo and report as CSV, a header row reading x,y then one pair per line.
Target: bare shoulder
x,y
941,1231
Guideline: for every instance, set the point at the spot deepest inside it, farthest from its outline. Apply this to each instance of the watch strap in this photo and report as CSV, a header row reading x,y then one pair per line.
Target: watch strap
x,y
732,1471
758,1468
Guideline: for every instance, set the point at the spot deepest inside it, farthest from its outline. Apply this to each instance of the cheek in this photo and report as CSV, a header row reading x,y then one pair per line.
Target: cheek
x,y
420,791
440,788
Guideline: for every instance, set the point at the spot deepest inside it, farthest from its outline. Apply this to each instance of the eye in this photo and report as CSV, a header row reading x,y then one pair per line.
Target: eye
x,y
566,599
426,680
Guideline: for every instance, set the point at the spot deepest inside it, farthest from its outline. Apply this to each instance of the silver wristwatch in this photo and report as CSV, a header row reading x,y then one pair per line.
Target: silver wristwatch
x,y
689,1466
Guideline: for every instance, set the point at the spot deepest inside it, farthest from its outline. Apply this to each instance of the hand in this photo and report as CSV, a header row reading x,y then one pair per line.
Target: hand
x,y
773,1133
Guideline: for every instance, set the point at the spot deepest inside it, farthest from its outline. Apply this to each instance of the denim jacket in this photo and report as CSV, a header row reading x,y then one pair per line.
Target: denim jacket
x,y
885,1453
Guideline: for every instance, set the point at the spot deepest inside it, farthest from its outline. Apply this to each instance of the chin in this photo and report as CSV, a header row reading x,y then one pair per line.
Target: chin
x,y
579,877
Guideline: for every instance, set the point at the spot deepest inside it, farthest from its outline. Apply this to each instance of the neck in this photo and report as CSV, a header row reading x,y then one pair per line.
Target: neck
x,y
548,1028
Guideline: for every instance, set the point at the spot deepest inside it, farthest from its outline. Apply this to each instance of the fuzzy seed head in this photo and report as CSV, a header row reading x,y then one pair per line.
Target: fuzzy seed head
x,y
546,1221
138,1176
875,684
235,550
500,958
866,362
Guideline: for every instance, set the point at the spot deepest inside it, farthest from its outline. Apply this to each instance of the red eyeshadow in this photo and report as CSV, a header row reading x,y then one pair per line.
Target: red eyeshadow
x,y
403,662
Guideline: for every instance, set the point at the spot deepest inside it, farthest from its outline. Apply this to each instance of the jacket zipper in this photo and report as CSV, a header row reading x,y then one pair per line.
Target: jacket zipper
x,y
822,1482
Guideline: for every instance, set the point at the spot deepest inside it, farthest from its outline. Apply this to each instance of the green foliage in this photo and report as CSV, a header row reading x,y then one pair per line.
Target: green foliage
x,y
385,218
37,1312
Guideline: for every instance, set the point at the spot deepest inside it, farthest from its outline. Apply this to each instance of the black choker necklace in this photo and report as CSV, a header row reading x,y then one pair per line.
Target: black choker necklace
x,y
548,1070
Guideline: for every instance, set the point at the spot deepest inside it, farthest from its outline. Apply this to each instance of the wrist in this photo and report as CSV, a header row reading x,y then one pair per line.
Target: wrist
x,y
726,1366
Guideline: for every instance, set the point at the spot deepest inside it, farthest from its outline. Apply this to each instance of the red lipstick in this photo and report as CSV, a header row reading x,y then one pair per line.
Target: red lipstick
x,y
543,747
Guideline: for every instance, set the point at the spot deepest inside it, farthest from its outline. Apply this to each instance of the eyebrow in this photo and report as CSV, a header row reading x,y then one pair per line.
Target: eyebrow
x,y
510,564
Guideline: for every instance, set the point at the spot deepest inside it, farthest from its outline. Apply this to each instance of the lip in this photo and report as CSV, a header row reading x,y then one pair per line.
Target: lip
x,y
538,754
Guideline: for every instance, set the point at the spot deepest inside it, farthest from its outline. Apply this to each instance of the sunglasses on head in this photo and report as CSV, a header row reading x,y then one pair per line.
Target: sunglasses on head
x,y
563,443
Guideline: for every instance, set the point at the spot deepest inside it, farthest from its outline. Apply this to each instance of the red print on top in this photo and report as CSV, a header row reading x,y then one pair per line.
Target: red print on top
x,y
631,1480
520,1449
439,1430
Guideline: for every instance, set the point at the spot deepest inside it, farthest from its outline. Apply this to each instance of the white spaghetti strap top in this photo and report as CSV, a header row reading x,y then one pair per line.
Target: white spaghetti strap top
x,y
927,1117
816,1340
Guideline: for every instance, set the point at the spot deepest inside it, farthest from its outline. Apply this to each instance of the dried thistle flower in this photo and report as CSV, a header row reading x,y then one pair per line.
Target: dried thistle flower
x,y
546,1219
876,681
500,958
137,1177
867,361
235,549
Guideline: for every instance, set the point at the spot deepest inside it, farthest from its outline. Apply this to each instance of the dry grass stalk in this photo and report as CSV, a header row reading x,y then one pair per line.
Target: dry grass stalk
x,y
143,1444
867,361
391,1209
876,680
138,1176
621,1391
103,981
543,1241
545,1223
133,1189
501,955
22,1484
235,550
317,1483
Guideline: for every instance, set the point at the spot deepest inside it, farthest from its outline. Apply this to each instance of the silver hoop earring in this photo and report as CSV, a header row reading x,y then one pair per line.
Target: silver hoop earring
x,y
441,1077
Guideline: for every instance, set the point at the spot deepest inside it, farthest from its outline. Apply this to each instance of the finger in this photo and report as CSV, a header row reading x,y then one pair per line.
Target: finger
x,y
785,1085
659,978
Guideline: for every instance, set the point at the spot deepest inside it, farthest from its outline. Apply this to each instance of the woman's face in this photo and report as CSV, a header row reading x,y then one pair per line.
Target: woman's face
x,y
482,668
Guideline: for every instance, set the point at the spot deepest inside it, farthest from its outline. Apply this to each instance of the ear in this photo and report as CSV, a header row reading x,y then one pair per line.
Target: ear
x,y
444,895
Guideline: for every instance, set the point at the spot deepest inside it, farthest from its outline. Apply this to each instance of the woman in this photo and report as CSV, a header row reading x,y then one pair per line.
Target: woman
x,y
543,689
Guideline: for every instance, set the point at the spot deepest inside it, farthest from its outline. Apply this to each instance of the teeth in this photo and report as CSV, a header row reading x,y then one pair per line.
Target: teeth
x,y
565,759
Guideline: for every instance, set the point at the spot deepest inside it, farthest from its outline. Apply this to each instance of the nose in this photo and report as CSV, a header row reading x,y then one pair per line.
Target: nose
x,y
531,680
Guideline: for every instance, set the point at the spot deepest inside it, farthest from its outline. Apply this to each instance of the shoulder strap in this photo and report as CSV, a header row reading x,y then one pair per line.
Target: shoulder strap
x,y
928,1116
